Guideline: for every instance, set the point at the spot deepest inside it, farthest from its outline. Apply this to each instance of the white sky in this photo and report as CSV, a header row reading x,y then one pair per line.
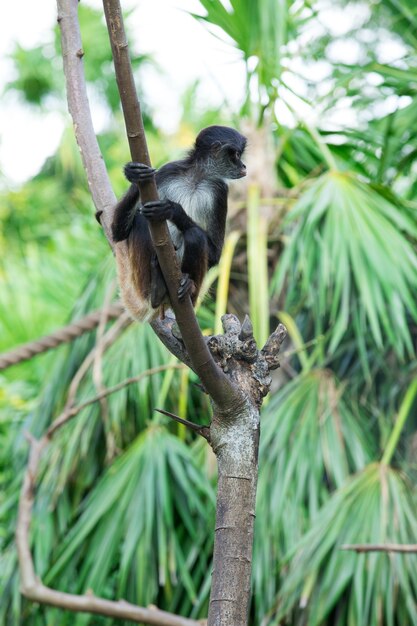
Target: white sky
x,y
179,44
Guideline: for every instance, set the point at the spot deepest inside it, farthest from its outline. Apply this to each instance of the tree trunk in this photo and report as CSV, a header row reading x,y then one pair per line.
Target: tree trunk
x,y
237,454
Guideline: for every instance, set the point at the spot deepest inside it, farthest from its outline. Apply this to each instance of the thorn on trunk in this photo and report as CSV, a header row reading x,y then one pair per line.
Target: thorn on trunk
x,y
204,431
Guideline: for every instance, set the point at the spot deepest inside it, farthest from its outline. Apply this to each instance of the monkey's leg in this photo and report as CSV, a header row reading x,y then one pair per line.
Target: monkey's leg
x,y
194,262
124,214
158,286
195,257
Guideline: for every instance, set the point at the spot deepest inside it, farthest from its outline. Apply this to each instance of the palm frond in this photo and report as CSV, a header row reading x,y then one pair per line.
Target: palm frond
x,y
349,257
311,440
144,517
376,506
260,31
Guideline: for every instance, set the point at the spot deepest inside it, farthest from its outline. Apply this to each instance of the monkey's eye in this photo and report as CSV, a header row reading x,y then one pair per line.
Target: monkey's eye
x,y
235,156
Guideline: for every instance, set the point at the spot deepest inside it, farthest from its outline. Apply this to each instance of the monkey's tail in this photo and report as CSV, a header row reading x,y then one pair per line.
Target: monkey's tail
x,y
140,308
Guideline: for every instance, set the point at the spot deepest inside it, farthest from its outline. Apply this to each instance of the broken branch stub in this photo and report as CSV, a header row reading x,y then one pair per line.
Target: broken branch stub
x,y
237,354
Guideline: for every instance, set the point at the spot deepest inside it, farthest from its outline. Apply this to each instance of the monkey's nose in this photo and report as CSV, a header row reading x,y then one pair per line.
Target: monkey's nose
x,y
243,170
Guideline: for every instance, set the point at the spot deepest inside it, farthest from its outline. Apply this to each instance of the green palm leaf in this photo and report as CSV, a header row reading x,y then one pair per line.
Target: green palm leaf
x,y
260,30
376,506
310,442
139,524
350,259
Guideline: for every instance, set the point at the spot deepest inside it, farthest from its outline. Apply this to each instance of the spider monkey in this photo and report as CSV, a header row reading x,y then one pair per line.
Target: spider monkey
x,y
193,198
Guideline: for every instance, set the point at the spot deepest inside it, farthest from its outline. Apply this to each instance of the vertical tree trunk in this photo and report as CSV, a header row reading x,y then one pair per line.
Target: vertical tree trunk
x,y
237,454
234,436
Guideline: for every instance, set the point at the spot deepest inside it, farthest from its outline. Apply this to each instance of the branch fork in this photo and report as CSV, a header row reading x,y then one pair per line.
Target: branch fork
x,y
236,353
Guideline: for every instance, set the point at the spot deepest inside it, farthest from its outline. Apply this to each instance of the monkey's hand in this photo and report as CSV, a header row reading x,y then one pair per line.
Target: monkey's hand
x,y
158,210
187,287
138,172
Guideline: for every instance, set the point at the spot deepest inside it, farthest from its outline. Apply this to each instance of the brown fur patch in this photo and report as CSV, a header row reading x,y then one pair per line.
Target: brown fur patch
x,y
138,306
140,253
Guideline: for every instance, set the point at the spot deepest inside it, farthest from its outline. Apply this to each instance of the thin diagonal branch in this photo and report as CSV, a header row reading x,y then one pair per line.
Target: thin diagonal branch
x,y
107,340
220,388
70,412
97,374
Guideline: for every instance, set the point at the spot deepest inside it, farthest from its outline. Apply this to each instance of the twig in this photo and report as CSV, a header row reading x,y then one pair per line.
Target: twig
x,y
382,547
67,414
204,431
308,344
97,375
109,338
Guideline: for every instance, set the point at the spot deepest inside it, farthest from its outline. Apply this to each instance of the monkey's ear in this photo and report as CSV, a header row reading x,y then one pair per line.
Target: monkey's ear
x,y
216,147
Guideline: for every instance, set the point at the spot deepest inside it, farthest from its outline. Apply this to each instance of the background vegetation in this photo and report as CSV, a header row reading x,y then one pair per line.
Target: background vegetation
x,y
323,238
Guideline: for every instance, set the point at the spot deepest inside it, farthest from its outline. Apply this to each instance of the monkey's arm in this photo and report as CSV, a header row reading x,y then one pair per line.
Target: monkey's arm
x,y
159,210
217,227
126,208
214,252
211,240
124,214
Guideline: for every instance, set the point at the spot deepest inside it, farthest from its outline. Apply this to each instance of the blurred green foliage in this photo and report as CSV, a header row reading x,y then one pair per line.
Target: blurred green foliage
x,y
125,505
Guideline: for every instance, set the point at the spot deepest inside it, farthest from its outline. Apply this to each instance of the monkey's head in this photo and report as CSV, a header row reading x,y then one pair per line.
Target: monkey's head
x,y
222,148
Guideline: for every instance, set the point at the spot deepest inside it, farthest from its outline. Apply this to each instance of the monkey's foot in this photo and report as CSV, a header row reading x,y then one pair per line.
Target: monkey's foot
x,y
138,172
158,210
187,287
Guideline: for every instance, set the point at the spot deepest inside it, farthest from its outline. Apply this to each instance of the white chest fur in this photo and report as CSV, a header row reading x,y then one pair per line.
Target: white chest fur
x,y
195,198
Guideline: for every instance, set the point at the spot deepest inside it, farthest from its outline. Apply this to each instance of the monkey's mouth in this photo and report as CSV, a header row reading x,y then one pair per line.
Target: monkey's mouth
x,y
242,172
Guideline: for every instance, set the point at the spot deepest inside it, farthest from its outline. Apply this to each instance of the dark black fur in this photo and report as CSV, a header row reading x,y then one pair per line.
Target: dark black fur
x,y
199,182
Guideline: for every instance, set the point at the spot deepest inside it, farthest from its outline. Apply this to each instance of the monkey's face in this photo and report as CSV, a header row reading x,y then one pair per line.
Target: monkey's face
x,y
229,162
221,149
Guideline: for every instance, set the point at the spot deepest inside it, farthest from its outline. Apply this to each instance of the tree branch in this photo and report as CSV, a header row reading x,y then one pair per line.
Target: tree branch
x,y
79,108
70,412
204,431
97,375
234,372
220,388
381,547
108,339
236,396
